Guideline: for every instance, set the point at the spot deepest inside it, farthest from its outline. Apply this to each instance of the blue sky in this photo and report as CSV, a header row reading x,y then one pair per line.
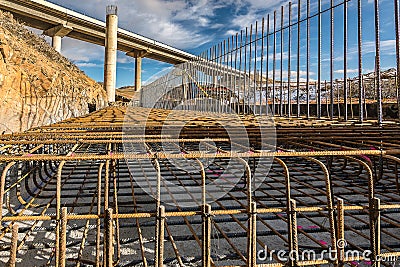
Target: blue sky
x,y
195,26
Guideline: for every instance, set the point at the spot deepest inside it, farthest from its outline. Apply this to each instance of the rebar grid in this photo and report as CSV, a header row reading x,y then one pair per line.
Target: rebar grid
x,y
70,198
253,70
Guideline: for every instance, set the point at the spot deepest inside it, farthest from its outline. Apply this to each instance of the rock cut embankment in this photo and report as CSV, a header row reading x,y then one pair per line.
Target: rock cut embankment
x,y
39,86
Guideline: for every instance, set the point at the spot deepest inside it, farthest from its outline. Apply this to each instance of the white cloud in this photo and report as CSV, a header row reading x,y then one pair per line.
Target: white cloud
x,y
176,22
123,59
270,4
348,71
79,51
231,33
278,56
387,47
258,9
88,65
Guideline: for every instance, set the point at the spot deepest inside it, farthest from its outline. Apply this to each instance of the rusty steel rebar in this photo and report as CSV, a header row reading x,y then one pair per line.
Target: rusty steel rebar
x,y
378,64
14,246
397,33
108,238
206,240
63,237
311,168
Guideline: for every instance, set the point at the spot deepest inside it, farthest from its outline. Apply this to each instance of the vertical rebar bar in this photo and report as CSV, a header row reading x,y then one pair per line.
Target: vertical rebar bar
x,y
255,69
159,218
308,59
213,75
106,185
319,58
108,238
267,70
2,187
14,246
298,56
236,86
159,254
360,71
326,98
63,237
240,68
98,221
58,212
274,68
294,237
245,72
225,80
261,65
331,59
397,29
206,240
115,200
375,230
288,198
281,71
340,228
330,205
221,73
378,63
345,59
252,236
230,70
289,92
250,63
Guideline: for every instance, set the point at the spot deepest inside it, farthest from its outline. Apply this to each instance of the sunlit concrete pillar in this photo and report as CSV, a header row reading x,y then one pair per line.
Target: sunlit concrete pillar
x,y
110,58
57,33
138,73
138,55
56,43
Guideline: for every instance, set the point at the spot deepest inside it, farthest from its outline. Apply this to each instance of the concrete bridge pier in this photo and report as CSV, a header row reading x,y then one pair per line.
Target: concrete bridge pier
x,y
110,58
57,33
138,55
56,43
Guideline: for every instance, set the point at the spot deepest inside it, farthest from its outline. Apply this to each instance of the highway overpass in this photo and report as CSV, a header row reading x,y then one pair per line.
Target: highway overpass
x,y
57,21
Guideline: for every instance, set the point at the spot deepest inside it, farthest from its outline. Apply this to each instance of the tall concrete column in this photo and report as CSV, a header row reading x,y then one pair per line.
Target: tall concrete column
x,y
138,74
57,33
56,43
138,55
110,58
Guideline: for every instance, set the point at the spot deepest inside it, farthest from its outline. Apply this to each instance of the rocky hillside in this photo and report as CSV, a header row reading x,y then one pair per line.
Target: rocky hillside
x,y
38,86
